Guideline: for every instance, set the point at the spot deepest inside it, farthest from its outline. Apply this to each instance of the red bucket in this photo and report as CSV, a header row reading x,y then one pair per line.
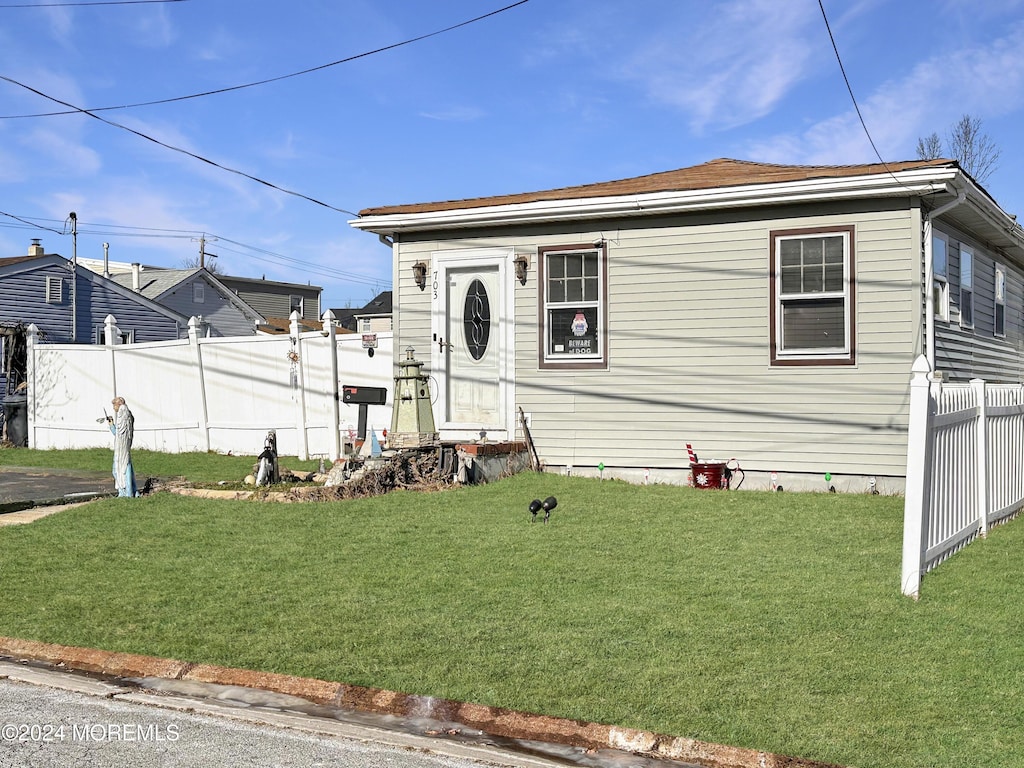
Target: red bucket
x,y
708,475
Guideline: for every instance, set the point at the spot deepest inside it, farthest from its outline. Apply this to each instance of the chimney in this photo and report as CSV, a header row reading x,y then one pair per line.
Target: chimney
x,y
136,276
36,249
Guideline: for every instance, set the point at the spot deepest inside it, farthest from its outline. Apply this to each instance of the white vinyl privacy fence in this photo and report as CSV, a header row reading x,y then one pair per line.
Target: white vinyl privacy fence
x,y
965,467
210,394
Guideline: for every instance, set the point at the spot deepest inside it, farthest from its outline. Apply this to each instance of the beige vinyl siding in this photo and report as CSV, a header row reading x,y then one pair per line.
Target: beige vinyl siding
x,y
688,322
411,305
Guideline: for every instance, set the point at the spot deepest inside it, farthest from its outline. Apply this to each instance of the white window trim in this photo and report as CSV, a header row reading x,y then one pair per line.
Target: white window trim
x,y
568,360
968,322
99,336
845,355
302,305
941,281
999,300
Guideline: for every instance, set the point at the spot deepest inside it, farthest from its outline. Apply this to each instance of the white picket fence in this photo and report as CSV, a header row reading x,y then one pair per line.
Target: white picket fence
x,y
965,467
209,394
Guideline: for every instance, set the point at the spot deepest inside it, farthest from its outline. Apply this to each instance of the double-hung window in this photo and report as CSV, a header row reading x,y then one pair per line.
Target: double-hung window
x,y
940,280
574,307
812,297
966,287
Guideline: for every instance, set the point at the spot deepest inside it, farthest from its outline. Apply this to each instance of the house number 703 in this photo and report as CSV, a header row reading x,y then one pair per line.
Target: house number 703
x,y
433,285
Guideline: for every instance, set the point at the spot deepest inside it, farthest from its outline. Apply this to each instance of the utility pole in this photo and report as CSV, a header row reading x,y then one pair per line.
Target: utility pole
x,y
202,251
74,275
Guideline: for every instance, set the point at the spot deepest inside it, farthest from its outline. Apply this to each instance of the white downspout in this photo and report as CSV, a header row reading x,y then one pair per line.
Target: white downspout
x,y
929,276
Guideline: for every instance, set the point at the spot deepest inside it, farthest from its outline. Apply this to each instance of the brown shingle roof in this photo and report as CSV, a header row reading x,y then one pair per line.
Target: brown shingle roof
x,y
716,173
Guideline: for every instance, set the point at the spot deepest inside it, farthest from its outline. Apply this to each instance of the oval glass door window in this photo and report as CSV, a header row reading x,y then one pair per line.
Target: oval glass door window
x,y
477,319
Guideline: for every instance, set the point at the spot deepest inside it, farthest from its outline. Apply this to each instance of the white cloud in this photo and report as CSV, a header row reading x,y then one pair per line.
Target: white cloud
x,y
220,46
730,68
61,22
455,114
60,153
153,28
985,81
241,189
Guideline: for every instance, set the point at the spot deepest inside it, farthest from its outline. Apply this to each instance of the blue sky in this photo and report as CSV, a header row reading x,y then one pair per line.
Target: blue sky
x,y
546,94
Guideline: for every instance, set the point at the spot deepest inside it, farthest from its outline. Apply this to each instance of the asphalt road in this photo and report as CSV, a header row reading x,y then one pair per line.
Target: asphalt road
x,y
23,487
51,719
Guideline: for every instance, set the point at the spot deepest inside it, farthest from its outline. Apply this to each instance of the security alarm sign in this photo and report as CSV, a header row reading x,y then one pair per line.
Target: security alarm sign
x,y
369,341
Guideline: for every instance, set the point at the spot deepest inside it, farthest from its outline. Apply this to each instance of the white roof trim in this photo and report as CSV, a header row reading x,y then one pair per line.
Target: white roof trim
x,y
921,181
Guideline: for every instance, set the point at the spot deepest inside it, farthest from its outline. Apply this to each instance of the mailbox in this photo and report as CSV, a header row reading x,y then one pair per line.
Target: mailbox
x,y
364,395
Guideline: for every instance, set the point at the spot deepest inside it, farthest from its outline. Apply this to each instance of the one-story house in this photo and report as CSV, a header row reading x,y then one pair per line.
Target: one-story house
x,y
764,313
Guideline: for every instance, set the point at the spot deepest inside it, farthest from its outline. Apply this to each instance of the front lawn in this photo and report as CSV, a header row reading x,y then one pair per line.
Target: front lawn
x,y
770,621
197,467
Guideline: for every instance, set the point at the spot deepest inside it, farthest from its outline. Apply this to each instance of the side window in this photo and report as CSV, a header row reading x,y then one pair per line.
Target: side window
x,y
198,292
573,307
295,305
812,297
99,337
940,279
1000,301
966,287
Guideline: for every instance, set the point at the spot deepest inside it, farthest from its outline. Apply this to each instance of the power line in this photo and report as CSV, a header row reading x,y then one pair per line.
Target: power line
x,y
273,79
30,224
96,2
853,98
269,257
165,145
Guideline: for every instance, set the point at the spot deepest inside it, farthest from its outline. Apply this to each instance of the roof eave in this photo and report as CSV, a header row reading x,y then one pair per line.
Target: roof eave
x,y
916,182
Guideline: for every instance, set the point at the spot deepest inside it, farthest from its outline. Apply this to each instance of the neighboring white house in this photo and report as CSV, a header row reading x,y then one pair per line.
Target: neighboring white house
x,y
767,313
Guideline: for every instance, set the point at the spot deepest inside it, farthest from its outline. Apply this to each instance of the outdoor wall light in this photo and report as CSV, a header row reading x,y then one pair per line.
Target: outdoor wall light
x,y
522,264
419,274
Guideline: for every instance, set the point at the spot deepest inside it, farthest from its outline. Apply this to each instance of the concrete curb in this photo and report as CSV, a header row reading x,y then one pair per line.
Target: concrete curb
x,y
493,720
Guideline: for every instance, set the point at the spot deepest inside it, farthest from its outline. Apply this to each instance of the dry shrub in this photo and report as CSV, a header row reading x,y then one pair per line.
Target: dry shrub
x,y
417,470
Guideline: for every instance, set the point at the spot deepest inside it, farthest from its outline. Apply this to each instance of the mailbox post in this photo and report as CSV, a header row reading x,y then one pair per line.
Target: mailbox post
x,y
363,396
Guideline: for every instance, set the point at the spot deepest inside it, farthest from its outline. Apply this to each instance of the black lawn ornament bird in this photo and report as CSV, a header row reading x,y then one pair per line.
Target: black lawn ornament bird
x,y
535,506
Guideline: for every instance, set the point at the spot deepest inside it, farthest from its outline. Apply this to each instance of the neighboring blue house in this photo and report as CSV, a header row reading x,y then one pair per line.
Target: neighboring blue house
x,y
194,292
69,304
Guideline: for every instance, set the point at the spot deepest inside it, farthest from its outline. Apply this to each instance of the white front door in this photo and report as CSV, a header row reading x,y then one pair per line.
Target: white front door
x,y
472,344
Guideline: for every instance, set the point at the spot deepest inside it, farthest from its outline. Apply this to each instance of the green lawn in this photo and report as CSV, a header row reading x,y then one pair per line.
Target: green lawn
x,y
197,467
770,621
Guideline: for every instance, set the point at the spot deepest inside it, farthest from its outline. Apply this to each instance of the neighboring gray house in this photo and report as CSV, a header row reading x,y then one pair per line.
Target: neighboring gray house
x,y
69,305
275,300
767,313
374,317
197,293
